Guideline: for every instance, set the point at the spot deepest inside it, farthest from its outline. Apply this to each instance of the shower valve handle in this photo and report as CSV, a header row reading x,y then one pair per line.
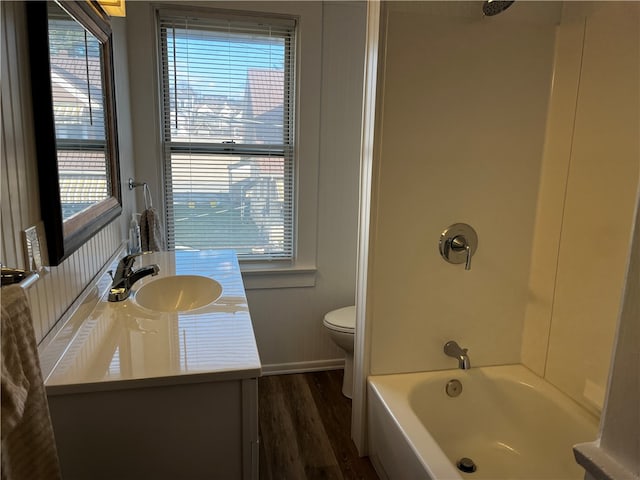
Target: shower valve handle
x,y
458,243
467,263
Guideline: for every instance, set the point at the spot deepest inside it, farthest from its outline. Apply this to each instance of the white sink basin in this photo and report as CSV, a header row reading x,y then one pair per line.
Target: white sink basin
x,y
178,293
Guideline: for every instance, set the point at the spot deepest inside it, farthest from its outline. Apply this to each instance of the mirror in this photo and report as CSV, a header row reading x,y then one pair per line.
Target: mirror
x,y
75,122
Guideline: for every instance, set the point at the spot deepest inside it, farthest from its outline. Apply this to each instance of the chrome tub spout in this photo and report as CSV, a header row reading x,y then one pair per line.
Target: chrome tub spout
x,y
452,349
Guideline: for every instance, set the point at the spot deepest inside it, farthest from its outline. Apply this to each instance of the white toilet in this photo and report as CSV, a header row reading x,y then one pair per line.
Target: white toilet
x,y
341,325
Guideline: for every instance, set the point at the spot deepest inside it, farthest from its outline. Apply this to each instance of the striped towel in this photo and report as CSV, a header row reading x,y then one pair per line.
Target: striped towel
x,y
28,445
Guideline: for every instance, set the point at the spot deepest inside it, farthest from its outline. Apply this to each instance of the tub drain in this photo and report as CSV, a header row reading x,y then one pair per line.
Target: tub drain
x,y
466,465
453,388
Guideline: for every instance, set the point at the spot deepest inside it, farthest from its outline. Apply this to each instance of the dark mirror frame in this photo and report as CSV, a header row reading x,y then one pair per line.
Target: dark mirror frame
x,y
64,238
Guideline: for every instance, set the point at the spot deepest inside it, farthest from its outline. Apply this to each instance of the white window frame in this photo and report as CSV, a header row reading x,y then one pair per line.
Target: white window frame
x,y
280,27
143,38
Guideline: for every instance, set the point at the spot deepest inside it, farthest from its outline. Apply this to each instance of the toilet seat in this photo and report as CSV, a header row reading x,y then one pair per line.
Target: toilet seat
x,y
341,320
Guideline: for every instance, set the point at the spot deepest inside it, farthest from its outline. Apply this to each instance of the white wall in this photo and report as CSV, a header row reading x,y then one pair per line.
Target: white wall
x,y
616,452
55,292
461,133
587,198
288,321
619,429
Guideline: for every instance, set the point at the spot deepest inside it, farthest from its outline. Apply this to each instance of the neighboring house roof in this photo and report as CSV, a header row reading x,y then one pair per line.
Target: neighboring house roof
x,y
264,88
71,80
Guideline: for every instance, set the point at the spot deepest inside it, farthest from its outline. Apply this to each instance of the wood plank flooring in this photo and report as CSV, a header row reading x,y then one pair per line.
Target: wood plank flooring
x,y
305,424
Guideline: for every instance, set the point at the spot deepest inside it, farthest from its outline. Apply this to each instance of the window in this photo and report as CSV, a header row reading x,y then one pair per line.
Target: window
x,y
227,86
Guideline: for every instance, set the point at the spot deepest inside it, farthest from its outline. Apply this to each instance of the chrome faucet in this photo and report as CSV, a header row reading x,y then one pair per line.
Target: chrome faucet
x,y
452,349
126,276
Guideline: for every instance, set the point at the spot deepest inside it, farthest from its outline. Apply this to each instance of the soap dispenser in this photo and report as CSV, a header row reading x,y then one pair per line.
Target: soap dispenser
x,y
134,235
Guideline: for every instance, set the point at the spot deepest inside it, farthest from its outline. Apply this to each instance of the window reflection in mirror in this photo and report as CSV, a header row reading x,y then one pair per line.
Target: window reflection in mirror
x,y
74,117
79,116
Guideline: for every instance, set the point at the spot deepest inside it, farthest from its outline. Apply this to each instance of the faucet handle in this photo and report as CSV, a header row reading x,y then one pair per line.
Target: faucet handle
x,y
458,244
467,263
138,254
128,260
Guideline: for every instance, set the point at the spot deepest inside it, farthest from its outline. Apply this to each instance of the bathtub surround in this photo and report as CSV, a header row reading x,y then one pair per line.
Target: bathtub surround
x,y
586,200
553,211
493,181
460,138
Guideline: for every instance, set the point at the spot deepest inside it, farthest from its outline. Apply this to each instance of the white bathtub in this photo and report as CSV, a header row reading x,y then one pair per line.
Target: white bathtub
x,y
509,421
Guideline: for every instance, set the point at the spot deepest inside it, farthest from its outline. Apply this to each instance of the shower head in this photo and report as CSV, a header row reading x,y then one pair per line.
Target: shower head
x,y
494,7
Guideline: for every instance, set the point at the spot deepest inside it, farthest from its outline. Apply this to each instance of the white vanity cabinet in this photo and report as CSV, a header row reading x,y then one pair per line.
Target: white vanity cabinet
x,y
137,394
190,431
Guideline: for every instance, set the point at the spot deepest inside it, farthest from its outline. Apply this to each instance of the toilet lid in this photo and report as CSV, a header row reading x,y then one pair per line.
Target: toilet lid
x,y
342,318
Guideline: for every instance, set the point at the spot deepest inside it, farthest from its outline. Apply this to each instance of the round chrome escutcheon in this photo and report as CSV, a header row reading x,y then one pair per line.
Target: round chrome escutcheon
x,y
453,388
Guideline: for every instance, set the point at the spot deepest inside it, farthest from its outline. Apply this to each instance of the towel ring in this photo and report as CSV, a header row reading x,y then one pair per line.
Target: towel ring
x,y
146,192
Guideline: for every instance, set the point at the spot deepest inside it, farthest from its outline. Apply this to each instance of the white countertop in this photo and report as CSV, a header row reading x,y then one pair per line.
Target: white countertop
x,y
122,345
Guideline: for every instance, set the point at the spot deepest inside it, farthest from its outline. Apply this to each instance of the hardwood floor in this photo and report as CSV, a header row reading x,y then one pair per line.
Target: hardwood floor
x,y
305,424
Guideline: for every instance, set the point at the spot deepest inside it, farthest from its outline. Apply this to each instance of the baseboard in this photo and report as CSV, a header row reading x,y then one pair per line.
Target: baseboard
x,y
302,367
377,466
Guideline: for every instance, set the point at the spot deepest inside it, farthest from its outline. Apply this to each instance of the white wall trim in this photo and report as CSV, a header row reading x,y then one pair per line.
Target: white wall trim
x,y
302,367
279,278
362,337
600,464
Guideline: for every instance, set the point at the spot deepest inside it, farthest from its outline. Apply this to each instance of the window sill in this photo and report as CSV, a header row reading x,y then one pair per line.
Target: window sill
x,y
257,277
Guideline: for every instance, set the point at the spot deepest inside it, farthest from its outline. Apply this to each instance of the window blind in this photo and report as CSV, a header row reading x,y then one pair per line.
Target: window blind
x,y
79,117
228,95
